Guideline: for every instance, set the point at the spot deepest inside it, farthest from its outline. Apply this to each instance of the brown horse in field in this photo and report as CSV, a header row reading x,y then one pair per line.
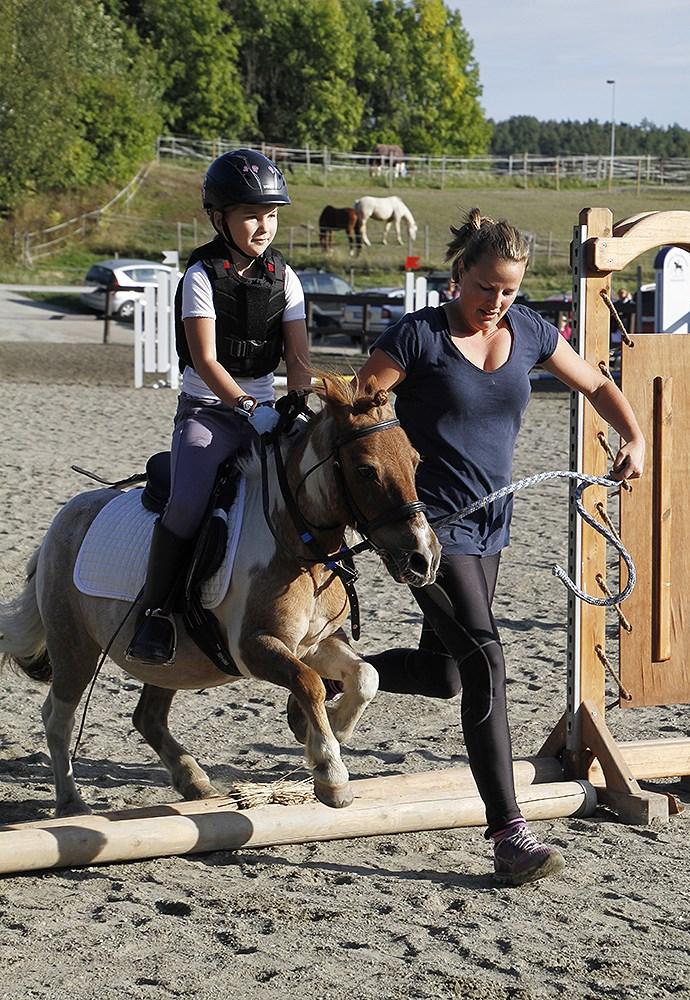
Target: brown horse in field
x,y
339,218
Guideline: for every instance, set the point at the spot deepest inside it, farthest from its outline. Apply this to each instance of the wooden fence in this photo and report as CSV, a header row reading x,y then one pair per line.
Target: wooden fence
x,y
44,242
522,168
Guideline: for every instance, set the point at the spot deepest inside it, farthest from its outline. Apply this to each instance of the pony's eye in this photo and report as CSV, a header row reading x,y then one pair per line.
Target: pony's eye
x,y
367,472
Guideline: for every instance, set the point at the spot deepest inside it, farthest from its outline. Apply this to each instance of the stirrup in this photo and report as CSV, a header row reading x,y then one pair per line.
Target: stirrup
x,y
155,639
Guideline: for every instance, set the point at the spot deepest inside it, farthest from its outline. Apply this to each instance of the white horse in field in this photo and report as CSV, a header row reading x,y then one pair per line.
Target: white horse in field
x,y
389,210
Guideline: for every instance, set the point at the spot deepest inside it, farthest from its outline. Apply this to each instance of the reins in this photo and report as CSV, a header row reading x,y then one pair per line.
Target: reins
x,y
342,562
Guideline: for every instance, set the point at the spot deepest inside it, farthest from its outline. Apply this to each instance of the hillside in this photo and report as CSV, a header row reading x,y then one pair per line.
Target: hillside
x,y
165,213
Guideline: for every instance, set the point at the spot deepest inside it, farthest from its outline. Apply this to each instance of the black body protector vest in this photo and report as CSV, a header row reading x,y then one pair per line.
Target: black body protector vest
x,y
249,313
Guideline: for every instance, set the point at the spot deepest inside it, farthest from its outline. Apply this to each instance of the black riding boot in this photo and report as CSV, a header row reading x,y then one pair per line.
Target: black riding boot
x,y
155,637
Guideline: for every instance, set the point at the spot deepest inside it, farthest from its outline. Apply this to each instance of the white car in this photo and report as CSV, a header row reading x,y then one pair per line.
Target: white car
x,y
388,306
124,278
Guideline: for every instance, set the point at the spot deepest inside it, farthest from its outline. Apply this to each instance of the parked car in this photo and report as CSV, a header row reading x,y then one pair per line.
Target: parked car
x,y
313,281
438,281
123,278
381,314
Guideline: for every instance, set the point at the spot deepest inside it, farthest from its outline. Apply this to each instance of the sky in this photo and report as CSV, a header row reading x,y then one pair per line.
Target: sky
x,y
552,58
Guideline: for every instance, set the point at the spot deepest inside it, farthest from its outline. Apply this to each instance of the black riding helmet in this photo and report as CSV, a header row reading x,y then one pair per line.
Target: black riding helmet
x,y
243,176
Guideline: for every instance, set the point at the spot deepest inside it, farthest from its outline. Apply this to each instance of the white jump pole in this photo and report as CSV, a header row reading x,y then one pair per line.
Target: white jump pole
x,y
382,806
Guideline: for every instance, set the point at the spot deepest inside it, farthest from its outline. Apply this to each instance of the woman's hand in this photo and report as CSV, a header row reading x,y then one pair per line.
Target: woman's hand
x,y
629,462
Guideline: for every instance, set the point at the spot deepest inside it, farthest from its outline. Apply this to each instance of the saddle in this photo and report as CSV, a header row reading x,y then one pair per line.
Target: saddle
x,y
207,554
212,538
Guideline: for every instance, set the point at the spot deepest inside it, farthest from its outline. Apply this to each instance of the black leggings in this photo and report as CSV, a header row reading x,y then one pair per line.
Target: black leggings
x,y
460,650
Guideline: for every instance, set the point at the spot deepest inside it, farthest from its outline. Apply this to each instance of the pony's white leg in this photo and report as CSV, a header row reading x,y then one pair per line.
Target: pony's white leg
x,y
151,720
58,719
385,232
397,231
336,659
271,660
363,233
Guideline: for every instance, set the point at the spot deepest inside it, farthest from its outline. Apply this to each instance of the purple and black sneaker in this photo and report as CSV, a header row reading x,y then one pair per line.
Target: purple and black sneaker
x,y
520,858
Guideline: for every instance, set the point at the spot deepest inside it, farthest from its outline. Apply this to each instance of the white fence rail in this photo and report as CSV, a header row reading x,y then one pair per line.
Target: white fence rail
x,y
417,295
154,332
154,327
644,170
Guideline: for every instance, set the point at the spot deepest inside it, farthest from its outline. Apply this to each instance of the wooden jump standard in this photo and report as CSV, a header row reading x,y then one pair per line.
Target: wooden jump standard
x,y
654,516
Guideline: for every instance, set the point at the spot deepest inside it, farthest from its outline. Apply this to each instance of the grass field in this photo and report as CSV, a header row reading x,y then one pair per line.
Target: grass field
x,y
166,213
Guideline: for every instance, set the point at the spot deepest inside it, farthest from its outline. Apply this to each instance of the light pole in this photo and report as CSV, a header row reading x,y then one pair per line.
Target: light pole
x,y
613,130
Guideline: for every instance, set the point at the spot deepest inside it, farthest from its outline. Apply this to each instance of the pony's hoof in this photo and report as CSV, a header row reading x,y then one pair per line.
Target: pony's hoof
x,y
296,720
335,796
195,793
75,807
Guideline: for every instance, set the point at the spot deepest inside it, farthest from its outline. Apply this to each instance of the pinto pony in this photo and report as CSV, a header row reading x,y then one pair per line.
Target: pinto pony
x,y
392,210
281,618
339,218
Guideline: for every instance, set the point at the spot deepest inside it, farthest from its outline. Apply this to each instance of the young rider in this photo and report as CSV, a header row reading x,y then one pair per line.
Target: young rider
x,y
239,309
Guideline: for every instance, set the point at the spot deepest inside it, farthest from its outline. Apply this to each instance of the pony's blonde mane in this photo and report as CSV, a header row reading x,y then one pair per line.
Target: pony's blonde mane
x,y
337,390
343,391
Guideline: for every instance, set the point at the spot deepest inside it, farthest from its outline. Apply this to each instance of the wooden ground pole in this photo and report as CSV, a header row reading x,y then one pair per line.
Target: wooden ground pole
x,y
435,800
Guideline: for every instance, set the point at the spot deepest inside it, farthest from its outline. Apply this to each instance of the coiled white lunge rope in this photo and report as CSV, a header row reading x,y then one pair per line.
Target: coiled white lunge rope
x,y
585,482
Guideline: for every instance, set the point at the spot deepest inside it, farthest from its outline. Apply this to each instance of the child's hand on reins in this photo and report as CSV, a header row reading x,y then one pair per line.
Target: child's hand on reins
x,y
264,419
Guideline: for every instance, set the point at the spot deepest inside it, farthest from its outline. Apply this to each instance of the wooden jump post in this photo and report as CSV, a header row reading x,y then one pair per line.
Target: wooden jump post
x,y
654,665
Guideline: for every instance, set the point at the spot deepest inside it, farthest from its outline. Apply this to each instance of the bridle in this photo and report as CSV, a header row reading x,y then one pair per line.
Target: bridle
x,y
341,562
364,526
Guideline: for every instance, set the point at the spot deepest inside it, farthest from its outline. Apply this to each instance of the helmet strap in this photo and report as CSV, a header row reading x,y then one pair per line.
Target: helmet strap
x,y
227,236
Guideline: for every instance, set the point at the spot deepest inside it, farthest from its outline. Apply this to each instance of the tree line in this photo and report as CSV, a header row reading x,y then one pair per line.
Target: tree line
x,y
526,134
87,85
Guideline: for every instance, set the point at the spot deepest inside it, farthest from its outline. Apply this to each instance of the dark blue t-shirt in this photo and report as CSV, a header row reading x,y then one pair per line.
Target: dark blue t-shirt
x,y
463,420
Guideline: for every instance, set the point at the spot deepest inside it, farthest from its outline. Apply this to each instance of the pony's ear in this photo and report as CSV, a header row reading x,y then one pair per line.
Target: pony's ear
x,y
335,390
369,396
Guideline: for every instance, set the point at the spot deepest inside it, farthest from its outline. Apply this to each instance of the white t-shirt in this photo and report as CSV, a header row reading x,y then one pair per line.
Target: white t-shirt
x,y
197,300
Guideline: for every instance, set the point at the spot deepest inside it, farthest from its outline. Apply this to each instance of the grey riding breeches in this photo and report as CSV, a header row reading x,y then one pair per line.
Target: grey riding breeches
x,y
205,435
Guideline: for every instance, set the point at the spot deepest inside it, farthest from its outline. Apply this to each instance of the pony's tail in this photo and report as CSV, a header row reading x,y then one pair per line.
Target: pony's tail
x,y
22,635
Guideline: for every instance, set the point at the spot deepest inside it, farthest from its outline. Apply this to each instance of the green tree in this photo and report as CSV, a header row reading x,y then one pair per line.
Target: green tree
x,y
526,134
78,99
426,95
299,63
197,44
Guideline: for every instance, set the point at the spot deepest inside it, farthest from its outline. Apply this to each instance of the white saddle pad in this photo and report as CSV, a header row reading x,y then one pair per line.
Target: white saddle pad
x,y
113,556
